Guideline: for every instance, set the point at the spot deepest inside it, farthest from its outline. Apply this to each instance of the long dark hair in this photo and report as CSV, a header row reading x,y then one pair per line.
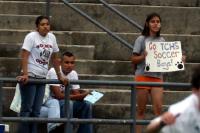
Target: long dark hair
x,y
146,29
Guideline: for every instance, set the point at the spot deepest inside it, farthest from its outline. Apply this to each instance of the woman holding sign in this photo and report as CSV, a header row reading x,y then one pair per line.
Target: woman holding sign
x,y
151,32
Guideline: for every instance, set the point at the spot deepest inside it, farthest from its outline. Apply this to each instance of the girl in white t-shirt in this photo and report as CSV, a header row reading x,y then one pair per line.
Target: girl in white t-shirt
x,y
38,48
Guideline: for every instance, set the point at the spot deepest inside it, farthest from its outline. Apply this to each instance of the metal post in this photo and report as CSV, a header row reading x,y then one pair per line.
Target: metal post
x,y
133,108
47,13
67,110
1,101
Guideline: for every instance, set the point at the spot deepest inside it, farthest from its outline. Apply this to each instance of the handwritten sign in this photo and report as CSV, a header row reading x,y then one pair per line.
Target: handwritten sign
x,y
164,57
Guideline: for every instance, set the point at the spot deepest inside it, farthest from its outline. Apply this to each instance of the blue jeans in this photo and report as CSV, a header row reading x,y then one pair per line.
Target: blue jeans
x,y
81,109
32,98
51,109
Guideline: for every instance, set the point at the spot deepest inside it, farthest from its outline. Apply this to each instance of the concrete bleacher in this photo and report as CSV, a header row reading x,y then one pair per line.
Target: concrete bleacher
x,y
98,55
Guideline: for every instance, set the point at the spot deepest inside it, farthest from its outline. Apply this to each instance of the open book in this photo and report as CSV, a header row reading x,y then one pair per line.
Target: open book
x,y
93,97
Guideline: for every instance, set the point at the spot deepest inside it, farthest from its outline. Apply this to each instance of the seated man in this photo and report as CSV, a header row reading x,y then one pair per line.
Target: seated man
x,y
184,116
81,109
52,104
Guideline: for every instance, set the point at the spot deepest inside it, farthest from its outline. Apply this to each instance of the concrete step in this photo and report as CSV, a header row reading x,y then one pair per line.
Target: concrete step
x,y
82,66
111,96
117,111
178,17
111,128
109,111
80,51
17,36
104,67
93,67
119,96
112,49
97,67
106,77
183,3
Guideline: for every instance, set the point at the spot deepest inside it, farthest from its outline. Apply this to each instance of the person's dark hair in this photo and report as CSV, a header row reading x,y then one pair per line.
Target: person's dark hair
x,y
39,19
67,53
146,29
195,81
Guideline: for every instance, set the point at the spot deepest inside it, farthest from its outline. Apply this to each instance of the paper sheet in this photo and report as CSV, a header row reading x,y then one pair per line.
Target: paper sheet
x,y
93,97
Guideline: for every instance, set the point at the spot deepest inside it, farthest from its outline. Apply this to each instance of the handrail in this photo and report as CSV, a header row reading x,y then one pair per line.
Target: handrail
x,y
66,2
122,15
75,120
102,82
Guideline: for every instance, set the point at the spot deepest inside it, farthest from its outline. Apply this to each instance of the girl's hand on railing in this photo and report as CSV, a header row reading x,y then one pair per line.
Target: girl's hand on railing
x,y
23,79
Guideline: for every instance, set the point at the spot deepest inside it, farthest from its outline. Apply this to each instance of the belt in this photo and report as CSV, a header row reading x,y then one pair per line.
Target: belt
x,y
31,75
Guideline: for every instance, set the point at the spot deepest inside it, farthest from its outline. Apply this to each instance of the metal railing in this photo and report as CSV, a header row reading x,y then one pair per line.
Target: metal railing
x,y
122,15
109,32
68,121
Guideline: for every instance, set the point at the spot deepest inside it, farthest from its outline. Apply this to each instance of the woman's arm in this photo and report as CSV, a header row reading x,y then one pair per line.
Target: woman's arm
x,y
24,64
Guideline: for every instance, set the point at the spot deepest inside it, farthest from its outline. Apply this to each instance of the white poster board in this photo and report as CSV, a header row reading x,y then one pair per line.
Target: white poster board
x,y
164,57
